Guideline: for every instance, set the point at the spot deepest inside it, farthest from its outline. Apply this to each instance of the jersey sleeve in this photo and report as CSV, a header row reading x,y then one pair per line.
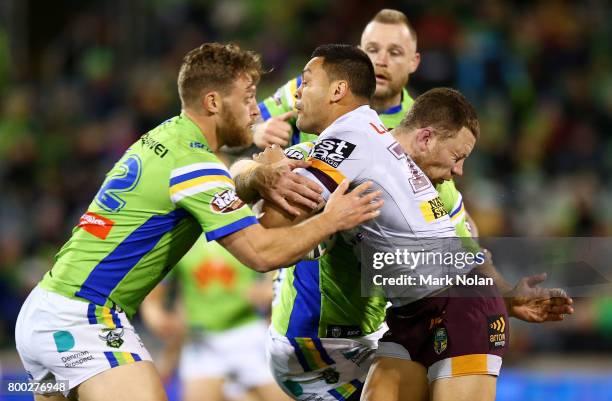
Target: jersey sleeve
x,y
453,204
207,191
282,101
299,151
334,158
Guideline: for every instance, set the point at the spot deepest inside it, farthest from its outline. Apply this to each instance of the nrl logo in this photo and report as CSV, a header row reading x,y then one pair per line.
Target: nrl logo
x,y
226,202
112,337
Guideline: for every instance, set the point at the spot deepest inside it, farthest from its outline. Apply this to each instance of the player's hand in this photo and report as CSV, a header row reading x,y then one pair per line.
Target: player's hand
x,y
275,130
348,210
528,302
277,183
270,155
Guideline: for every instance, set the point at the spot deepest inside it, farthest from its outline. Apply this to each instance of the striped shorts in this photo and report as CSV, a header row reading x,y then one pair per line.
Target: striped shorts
x,y
64,339
320,369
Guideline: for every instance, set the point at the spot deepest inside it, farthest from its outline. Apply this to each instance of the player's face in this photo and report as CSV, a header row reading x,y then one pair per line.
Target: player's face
x,y
239,112
444,158
313,98
392,50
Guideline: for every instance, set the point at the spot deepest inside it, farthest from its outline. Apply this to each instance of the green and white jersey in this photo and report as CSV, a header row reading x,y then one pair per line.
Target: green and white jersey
x,y
214,285
323,298
283,101
158,198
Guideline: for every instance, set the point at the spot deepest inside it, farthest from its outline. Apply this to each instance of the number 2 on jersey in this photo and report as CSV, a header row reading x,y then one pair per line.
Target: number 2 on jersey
x,y
124,179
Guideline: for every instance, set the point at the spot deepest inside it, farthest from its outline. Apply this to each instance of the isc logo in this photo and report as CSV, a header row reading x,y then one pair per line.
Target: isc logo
x,y
332,151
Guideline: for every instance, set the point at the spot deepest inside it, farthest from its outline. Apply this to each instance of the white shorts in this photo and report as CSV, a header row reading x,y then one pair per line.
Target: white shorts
x,y
64,339
237,355
321,369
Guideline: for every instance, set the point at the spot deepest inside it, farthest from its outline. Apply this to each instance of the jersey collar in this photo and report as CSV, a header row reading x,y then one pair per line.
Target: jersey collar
x,y
397,108
190,129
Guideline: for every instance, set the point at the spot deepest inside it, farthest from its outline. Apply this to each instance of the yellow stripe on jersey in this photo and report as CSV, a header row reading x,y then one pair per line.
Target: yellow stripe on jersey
x,y
222,180
328,170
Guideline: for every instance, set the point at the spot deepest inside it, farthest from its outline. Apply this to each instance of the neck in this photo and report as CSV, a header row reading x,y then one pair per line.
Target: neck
x,y
207,126
338,110
382,104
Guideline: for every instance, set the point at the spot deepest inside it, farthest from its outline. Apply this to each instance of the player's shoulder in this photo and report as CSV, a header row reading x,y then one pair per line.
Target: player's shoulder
x,y
360,125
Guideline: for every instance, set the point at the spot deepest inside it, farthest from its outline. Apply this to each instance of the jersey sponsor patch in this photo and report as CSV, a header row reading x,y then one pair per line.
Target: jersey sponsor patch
x,y
497,331
397,150
379,128
418,181
332,151
432,209
226,202
294,154
96,225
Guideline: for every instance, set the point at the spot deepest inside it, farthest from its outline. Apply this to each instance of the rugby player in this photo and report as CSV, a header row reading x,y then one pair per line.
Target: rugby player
x,y
391,43
166,189
321,341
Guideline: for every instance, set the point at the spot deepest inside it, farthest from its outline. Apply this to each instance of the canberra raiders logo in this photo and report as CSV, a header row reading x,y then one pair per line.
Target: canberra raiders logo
x,y
112,337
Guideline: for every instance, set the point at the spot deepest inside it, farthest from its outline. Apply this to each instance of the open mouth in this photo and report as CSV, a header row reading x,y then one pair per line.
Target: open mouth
x,y
380,78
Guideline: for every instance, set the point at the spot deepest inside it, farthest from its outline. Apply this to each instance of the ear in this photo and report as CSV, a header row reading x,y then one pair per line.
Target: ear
x,y
424,138
416,60
211,102
339,90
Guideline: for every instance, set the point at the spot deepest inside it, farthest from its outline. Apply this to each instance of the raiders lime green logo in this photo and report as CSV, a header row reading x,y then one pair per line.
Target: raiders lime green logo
x,y
440,340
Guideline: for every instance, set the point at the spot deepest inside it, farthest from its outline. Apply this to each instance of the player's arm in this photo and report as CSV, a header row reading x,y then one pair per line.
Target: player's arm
x,y
272,178
277,117
268,249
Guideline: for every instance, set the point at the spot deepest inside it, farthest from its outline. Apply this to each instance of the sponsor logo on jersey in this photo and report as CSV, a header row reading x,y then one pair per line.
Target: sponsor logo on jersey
x,y
440,340
112,337
96,225
432,209
157,148
293,387
198,145
76,359
497,331
332,151
418,181
379,128
226,202
294,154
397,150
64,340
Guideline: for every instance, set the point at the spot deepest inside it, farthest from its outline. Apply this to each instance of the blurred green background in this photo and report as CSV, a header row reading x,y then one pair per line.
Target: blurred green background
x,y
81,80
